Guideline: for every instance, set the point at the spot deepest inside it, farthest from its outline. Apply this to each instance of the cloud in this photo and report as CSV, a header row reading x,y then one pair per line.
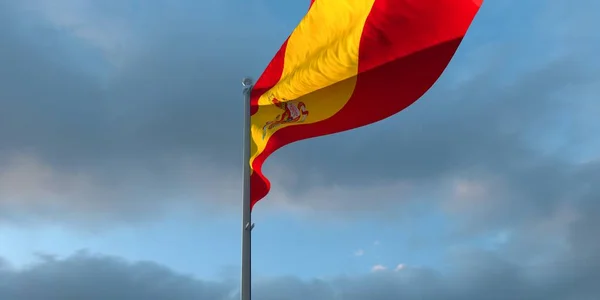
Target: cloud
x,y
112,112
399,267
33,192
84,276
378,268
359,252
103,104
473,274
102,108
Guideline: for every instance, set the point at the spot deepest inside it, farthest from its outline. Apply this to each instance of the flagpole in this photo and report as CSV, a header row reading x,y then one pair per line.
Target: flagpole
x,y
247,224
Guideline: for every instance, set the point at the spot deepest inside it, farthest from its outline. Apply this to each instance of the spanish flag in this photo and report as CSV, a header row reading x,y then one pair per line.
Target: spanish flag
x,y
350,63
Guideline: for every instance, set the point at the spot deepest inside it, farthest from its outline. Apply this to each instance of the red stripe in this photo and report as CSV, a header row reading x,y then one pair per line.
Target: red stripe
x,y
269,78
391,74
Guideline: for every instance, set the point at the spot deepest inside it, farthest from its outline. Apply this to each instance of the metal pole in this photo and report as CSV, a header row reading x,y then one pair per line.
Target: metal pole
x,y
247,225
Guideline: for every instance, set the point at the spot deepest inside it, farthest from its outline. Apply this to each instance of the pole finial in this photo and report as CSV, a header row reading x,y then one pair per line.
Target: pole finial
x,y
247,82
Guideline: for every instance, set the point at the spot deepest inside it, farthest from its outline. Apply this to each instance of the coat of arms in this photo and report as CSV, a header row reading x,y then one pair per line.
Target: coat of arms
x,y
293,112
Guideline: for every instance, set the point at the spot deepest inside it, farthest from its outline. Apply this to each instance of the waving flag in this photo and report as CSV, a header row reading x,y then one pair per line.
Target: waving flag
x,y
350,63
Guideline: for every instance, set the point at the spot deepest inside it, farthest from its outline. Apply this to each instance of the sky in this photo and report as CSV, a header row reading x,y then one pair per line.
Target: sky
x,y
120,161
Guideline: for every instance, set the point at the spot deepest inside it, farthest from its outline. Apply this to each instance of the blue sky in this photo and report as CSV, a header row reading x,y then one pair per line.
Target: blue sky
x,y
284,245
120,136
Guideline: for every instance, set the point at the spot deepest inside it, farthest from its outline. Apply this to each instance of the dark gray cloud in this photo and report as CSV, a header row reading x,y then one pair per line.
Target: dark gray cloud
x,y
470,275
105,112
167,99
107,120
84,276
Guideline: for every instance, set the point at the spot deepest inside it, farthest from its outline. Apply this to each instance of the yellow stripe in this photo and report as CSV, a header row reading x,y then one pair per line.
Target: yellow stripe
x,y
321,51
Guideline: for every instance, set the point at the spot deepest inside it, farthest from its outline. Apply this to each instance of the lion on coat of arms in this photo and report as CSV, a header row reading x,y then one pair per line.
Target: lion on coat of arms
x,y
293,112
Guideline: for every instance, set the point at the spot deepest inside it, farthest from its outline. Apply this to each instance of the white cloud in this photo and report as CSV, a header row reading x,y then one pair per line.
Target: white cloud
x,y
359,252
33,191
469,189
378,268
399,267
317,198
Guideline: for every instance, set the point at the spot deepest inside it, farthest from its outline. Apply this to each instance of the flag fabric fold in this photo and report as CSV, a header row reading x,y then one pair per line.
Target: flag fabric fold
x,y
350,63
